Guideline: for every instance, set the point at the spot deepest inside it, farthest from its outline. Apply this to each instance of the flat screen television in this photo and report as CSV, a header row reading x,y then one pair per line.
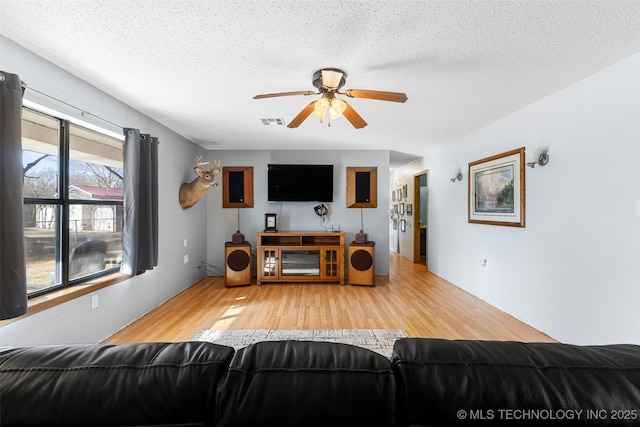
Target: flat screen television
x,y
300,183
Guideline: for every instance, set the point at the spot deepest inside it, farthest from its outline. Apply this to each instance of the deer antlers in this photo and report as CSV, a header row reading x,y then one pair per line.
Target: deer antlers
x,y
215,169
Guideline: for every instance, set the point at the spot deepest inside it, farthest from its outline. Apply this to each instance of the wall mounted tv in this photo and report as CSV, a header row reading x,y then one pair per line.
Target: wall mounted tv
x,y
300,183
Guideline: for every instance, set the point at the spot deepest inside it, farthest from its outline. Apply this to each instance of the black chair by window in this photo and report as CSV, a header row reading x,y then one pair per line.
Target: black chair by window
x,y
87,258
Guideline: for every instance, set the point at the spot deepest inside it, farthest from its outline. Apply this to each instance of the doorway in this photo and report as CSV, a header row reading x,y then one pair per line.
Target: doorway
x,y
420,198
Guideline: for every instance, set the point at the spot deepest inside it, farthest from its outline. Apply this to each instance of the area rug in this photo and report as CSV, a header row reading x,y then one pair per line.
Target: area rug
x,y
378,340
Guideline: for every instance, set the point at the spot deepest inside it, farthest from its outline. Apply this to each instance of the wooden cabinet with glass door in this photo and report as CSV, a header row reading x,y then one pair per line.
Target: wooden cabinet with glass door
x,y
300,257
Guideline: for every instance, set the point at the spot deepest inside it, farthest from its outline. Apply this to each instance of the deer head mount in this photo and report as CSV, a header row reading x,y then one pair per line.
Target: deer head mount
x,y
195,190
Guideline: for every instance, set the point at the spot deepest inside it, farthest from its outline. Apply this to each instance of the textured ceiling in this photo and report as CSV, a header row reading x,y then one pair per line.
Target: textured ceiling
x,y
195,65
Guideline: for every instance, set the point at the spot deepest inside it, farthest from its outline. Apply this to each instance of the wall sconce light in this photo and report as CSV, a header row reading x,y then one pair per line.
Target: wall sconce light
x,y
542,161
458,177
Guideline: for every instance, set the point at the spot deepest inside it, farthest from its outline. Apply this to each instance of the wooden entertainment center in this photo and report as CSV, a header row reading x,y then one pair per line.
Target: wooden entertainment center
x,y
300,257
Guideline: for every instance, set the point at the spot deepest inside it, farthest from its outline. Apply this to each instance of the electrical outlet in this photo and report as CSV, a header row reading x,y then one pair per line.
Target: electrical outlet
x,y
94,302
185,243
186,258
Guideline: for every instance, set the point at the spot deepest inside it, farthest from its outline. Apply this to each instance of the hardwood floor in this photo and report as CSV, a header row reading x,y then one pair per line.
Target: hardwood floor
x,y
410,298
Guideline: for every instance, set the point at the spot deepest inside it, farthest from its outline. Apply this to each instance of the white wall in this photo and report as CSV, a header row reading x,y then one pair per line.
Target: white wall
x,y
300,216
120,304
574,271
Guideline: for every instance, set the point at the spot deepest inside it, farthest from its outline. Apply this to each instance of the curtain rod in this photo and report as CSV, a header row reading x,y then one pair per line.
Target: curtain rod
x,y
82,112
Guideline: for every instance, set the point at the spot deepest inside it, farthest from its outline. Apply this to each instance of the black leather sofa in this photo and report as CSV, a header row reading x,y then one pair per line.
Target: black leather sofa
x,y
427,382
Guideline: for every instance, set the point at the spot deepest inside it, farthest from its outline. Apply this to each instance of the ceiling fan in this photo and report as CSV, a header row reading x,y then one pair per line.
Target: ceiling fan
x,y
328,81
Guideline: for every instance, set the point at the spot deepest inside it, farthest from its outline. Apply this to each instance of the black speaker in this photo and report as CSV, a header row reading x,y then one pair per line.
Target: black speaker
x,y
363,180
361,263
237,264
236,186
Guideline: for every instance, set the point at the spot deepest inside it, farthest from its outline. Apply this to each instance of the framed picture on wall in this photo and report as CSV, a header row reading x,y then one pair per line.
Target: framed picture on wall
x,y
409,208
497,190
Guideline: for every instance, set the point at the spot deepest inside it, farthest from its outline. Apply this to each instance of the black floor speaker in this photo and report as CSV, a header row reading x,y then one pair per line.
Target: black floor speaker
x,y
237,264
361,259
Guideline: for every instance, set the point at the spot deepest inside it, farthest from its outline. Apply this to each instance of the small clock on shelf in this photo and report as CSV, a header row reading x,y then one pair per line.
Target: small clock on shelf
x,y
270,222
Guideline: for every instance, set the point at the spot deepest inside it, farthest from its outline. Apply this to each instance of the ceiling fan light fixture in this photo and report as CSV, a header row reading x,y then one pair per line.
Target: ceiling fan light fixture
x,y
320,108
331,78
337,107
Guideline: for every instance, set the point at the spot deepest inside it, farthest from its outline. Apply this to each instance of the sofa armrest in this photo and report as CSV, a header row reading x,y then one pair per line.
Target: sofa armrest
x,y
442,382
129,384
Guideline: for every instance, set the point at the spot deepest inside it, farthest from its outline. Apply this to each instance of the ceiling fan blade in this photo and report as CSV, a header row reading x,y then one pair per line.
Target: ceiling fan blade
x,y
376,94
354,118
297,120
273,95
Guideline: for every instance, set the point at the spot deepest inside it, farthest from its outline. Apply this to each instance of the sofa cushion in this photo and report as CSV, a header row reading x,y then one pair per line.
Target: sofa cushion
x,y
129,384
302,383
441,382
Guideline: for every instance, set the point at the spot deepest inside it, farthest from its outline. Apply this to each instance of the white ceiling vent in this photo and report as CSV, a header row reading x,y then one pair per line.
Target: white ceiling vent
x,y
273,122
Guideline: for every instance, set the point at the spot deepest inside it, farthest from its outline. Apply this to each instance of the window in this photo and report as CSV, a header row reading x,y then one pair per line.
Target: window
x,y
73,202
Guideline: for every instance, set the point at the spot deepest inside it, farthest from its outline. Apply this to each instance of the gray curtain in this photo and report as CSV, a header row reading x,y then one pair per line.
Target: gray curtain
x,y
13,274
140,233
